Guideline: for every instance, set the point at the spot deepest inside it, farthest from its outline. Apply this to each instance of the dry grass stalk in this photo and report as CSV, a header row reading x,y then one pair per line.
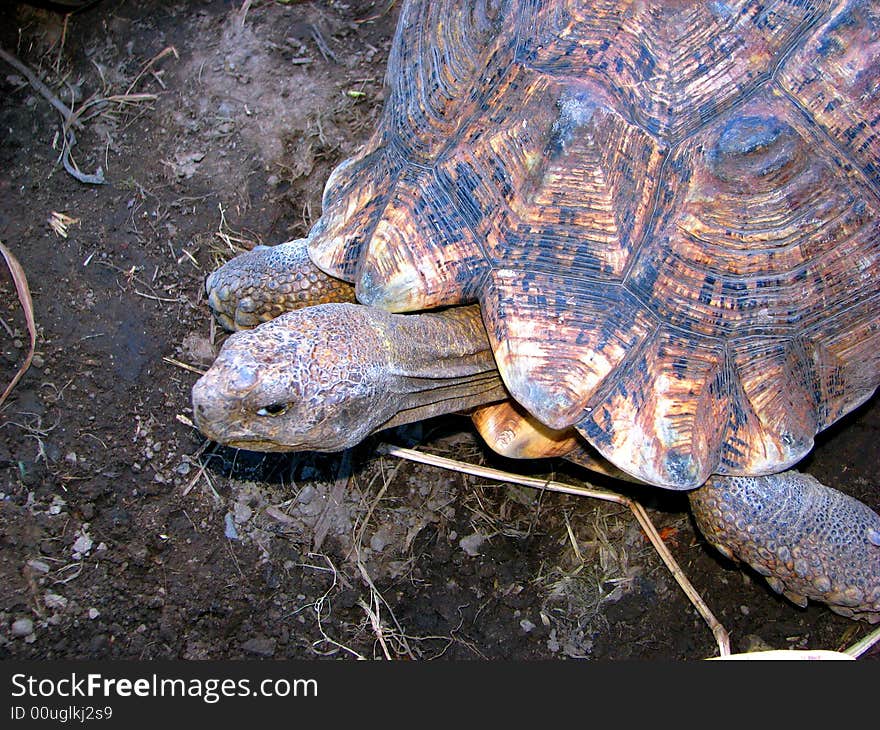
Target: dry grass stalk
x,y
376,598
159,56
227,243
860,647
27,305
60,222
184,366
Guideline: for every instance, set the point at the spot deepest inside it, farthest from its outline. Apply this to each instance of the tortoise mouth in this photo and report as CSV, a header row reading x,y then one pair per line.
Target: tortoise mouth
x,y
258,445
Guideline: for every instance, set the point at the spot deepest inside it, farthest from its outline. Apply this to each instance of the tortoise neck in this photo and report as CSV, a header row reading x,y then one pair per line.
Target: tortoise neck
x,y
443,363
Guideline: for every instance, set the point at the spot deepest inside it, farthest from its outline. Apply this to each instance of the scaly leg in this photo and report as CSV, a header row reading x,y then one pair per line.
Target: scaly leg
x,y
262,284
810,541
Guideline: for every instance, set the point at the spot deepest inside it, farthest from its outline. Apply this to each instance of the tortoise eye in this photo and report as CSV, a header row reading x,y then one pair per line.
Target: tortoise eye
x,y
275,409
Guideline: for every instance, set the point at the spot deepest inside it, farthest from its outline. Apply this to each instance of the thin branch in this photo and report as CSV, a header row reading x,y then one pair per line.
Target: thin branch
x,y
44,90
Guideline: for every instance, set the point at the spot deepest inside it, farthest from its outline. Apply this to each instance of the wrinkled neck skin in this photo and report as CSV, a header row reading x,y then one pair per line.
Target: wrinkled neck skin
x,y
325,377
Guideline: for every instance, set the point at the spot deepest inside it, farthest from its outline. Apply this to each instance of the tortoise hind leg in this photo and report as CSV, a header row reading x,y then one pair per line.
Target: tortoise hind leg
x,y
810,541
261,284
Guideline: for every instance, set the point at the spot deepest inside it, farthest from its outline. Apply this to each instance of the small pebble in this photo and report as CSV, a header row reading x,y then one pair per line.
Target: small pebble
x,y
259,646
22,627
241,513
94,613
82,544
753,642
54,601
526,625
471,543
230,530
381,538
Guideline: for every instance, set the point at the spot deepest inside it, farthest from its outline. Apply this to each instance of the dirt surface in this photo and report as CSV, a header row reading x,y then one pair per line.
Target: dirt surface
x,y
123,534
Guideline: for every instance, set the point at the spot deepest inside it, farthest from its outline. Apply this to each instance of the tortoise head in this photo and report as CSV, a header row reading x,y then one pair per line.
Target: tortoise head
x,y
312,379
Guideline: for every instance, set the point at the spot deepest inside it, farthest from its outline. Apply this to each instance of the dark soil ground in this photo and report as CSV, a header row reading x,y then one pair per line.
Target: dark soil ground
x,y
123,534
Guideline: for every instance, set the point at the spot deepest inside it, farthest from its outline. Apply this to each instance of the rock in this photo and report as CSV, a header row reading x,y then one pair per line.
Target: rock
x,y
753,642
57,505
229,530
22,627
38,566
54,601
82,544
260,646
198,348
241,513
471,543
381,538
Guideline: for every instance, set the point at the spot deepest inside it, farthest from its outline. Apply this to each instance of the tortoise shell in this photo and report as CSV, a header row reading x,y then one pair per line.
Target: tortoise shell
x,y
669,213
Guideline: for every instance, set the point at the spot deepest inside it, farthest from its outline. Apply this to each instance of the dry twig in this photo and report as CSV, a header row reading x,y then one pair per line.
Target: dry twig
x,y
158,57
71,119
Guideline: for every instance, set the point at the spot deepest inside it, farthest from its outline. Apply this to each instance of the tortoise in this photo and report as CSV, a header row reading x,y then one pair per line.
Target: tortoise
x,y
646,232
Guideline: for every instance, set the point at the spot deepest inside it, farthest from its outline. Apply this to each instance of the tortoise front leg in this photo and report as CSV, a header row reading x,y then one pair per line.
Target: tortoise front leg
x,y
261,284
810,541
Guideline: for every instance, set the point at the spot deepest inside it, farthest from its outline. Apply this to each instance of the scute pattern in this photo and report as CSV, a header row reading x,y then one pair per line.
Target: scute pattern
x,y
564,184
445,270
846,359
668,212
759,227
446,56
556,338
834,76
667,409
355,198
670,65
